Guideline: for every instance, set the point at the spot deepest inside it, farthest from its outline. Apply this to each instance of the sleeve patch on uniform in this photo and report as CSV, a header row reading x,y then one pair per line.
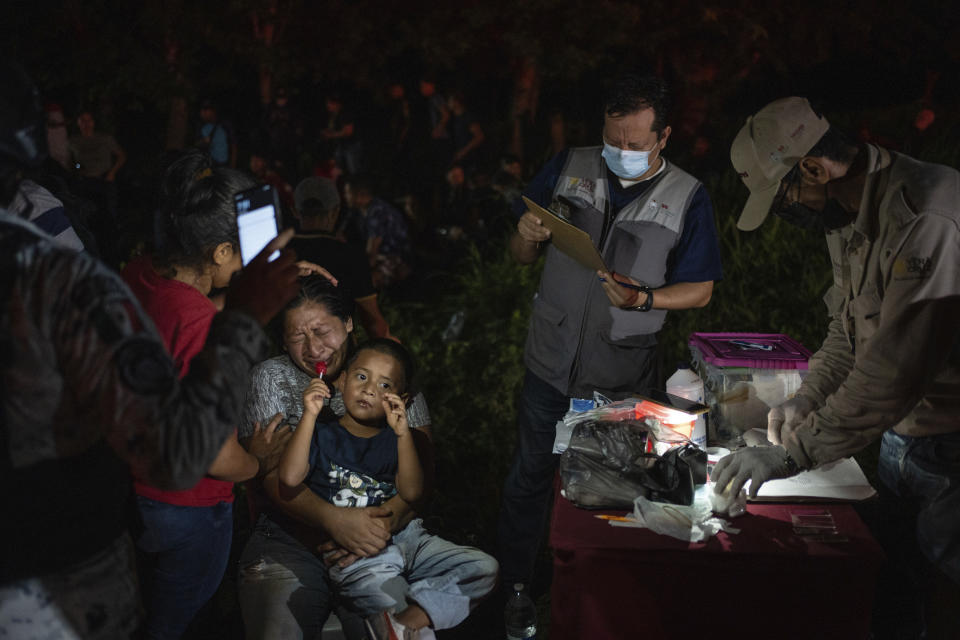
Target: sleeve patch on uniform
x,y
912,268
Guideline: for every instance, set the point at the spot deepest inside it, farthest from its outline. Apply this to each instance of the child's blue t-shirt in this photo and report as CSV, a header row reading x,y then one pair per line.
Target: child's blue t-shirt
x,y
348,471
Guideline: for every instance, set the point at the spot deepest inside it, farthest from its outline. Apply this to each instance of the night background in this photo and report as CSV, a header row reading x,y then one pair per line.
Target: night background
x,y
529,72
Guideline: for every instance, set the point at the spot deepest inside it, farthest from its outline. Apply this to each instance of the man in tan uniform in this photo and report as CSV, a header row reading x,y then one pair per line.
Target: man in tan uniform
x,y
890,365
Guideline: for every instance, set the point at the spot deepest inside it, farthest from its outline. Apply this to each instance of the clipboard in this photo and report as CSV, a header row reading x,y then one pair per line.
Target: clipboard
x,y
573,241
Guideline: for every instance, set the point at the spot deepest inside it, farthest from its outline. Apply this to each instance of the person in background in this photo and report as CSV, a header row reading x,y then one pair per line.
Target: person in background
x,y
466,133
597,331
510,164
456,194
380,228
96,155
317,208
58,141
87,394
216,137
283,585
431,140
97,158
341,130
508,179
398,118
185,542
284,126
438,111
419,582
325,165
264,173
889,367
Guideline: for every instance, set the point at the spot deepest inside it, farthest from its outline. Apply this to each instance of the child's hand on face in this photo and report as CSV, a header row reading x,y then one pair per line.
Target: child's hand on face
x,y
396,410
314,395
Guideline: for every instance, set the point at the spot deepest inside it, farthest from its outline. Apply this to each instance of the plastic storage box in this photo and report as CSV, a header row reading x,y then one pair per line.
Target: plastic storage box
x,y
744,374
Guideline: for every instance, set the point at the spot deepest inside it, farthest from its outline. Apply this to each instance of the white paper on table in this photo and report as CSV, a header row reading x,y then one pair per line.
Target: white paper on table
x,y
841,480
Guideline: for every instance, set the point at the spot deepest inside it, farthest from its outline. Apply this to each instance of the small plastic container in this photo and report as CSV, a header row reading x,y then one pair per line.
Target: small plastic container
x,y
685,383
744,375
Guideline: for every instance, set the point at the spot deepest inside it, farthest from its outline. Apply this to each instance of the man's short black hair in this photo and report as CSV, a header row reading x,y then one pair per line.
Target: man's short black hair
x,y
835,145
396,351
631,93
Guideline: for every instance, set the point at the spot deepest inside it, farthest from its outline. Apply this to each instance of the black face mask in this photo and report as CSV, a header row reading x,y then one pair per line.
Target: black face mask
x,y
832,216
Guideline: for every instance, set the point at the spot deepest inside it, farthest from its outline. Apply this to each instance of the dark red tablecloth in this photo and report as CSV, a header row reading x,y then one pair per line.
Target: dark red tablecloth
x,y
764,582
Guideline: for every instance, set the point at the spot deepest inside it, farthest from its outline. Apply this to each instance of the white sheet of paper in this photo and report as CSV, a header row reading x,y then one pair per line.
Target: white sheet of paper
x,y
842,480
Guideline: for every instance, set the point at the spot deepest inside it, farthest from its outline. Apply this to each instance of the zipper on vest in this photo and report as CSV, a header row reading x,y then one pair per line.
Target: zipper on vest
x,y
607,224
584,314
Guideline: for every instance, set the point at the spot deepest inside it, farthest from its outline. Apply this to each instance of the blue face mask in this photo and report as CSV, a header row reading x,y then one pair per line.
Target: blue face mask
x,y
625,164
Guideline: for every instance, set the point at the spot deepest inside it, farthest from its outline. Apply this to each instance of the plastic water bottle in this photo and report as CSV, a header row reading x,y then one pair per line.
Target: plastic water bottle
x,y
685,383
520,616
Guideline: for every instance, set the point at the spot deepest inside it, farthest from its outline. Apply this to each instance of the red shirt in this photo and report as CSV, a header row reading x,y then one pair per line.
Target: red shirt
x,y
182,315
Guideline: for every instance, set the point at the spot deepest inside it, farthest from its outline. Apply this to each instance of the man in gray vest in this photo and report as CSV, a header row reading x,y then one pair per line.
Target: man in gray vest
x,y
653,225
889,367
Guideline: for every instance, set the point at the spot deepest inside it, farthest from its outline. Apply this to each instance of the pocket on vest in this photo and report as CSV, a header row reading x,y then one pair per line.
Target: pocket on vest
x,y
548,336
619,365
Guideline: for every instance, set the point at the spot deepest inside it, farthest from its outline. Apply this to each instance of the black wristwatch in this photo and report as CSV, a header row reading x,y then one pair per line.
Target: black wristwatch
x,y
648,303
792,467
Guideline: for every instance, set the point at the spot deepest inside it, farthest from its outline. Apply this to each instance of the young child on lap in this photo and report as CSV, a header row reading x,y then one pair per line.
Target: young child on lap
x,y
419,581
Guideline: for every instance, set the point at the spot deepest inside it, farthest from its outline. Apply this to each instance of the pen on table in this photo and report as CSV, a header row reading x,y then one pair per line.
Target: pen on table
x,y
604,516
746,344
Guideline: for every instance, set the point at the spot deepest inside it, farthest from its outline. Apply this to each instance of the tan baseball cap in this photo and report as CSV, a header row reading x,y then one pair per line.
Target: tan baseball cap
x,y
767,147
316,188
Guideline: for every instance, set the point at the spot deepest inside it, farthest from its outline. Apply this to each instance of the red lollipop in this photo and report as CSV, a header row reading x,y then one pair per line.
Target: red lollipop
x,y
320,367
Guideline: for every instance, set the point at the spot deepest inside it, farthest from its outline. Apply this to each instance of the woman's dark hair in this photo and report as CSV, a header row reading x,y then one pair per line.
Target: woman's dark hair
x,y
631,93
196,211
393,349
317,289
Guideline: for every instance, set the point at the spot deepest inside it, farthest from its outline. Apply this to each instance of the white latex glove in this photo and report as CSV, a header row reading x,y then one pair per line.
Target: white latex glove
x,y
784,418
756,464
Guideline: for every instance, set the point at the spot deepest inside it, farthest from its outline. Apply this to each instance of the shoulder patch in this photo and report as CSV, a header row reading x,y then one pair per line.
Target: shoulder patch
x,y
912,267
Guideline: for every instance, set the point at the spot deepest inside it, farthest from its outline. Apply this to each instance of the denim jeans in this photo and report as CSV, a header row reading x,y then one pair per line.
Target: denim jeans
x,y
447,580
918,525
924,473
529,485
284,589
183,554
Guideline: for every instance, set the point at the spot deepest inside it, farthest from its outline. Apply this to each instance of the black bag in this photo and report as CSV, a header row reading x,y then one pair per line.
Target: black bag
x,y
605,467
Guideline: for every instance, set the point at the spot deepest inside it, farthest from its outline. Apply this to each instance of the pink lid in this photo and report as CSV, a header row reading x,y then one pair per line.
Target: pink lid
x,y
753,350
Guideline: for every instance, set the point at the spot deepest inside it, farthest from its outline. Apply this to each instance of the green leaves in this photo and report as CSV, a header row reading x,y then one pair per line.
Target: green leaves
x,y
471,383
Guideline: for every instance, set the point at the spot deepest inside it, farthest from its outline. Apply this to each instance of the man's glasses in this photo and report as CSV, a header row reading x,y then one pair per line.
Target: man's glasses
x,y
791,209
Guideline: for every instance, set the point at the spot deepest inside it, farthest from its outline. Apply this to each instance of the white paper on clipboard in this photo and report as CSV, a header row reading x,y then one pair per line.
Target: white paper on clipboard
x,y
573,241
